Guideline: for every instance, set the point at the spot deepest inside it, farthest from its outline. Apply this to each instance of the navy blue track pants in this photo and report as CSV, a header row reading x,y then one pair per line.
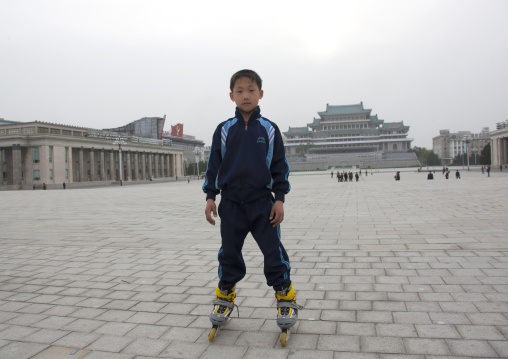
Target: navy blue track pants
x,y
237,220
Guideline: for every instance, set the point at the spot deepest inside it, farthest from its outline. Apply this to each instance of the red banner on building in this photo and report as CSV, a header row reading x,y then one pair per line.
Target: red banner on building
x,y
177,130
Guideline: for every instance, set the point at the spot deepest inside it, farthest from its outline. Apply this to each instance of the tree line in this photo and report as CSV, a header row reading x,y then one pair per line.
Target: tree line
x,y
429,158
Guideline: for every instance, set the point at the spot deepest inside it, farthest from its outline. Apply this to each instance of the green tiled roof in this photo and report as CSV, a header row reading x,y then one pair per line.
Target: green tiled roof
x,y
317,122
394,126
297,130
344,110
361,131
374,119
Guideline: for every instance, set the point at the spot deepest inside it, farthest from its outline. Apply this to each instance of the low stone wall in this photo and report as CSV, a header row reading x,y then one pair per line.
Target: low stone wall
x,y
307,166
59,186
359,160
380,163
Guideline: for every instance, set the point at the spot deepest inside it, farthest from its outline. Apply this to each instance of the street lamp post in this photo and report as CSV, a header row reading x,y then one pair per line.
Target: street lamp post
x,y
197,164
462,151
120,141
467,152
198,155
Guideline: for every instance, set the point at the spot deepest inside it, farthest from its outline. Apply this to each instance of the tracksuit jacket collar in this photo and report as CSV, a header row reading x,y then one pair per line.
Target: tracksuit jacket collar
x,y
255,114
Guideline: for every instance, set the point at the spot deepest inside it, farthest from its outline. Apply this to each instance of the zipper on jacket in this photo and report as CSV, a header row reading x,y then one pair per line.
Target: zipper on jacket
x,y
243,160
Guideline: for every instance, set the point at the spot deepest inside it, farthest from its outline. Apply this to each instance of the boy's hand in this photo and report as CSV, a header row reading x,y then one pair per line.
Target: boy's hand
x,y
210,207
277,213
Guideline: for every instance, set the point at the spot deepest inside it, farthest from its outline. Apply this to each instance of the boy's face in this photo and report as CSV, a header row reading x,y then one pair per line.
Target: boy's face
x,y
246,94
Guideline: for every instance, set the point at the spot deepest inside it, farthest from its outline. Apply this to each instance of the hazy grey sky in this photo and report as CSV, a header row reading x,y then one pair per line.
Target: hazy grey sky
x,y
434,64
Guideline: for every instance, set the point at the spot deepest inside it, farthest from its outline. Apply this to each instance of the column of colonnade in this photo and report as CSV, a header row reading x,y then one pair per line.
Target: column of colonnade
x,y
81,165
156,160
499,150
112,171
494,151
135,165
150,165
502,151
92,164
174,167
129,166
143,166
102,165
70,166
16,165
168,158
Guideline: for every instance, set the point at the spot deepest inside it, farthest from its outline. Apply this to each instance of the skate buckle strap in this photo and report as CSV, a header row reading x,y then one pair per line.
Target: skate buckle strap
x,y
227,304
282,304
224,303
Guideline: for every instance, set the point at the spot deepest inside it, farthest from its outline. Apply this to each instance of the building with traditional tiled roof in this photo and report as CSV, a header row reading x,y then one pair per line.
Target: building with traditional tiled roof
x,y
348,129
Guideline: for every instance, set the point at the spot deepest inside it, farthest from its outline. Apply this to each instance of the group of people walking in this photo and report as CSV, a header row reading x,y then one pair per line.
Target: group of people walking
x,y
347,176
446,172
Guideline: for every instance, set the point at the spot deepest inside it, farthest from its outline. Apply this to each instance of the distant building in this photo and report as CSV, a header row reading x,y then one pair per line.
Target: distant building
x,y
352,132
37,153
5,122
348,129
448,145
193,149
499,148
150,127
153,127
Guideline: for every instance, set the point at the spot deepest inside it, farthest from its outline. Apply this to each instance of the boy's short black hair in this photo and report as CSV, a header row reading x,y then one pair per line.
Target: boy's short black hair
x,y
245,73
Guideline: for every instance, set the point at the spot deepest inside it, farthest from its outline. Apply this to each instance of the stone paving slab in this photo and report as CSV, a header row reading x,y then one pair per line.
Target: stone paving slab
x,y
408,269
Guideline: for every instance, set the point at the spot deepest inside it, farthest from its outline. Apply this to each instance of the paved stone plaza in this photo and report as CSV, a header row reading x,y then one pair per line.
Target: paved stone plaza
x,y
412,269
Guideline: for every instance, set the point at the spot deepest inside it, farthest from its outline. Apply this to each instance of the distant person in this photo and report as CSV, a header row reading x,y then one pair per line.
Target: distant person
x,y
357,177
488,170
397,176
332,174
483,170
457,174
500,168
447,174
430,176
63,185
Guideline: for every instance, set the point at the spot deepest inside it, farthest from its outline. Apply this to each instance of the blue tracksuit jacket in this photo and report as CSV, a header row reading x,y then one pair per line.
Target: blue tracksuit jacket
x,y
247,162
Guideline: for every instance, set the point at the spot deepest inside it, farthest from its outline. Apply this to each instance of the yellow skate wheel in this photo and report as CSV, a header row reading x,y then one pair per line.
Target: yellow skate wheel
x,y
211,336
283,338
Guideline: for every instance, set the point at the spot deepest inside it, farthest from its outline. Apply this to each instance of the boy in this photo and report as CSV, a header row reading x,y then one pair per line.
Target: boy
x,y
246,164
